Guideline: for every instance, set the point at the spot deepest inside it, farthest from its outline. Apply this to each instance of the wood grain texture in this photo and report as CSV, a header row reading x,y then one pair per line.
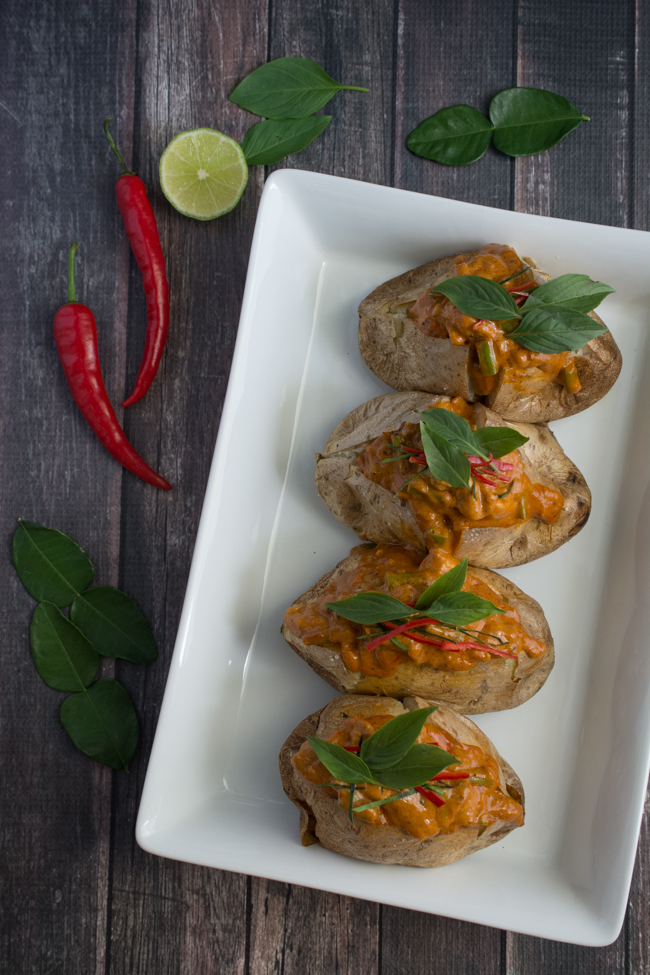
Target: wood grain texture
x,y
449,54
78,895
296,930
168,917
56,188
423,943
586,52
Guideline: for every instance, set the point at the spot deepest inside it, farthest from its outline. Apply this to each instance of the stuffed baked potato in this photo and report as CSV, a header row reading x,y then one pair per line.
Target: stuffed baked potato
x,y
413,339
496,662
514,509
476,800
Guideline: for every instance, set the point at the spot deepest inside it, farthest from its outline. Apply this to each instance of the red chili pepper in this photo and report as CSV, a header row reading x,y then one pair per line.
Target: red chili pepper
x,y
75,334
142,231
430,795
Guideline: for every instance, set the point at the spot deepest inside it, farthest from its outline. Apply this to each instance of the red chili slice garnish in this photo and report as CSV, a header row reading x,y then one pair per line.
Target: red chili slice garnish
x,y
431,796
352,748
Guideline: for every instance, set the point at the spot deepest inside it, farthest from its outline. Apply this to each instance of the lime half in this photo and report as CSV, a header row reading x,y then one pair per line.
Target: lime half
x,y
203,173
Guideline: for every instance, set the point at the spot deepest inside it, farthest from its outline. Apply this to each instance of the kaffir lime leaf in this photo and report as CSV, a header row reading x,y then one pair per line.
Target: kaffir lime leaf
x,y
203,173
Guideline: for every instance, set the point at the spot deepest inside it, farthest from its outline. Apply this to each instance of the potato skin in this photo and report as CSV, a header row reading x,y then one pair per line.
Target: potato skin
x,y
490,685
323,821
394,348
372,512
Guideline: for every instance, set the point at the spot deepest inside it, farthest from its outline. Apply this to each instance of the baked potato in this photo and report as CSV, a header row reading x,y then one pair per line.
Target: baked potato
x,y
496,523
414,340
483,797
496,663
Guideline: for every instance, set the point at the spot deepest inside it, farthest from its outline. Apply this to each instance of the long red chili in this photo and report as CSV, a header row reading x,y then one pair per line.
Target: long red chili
x,y
75,334
142,231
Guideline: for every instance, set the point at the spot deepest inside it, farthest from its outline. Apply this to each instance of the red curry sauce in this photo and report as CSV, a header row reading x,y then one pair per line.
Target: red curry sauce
x,y
438,317
444,512
475,802
397,570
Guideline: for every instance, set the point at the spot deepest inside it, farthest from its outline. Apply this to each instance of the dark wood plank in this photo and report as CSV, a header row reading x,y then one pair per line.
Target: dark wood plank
x,y
168,917
541,957
296,930
423,943
449,54
640,95
584,51
56,187
354,44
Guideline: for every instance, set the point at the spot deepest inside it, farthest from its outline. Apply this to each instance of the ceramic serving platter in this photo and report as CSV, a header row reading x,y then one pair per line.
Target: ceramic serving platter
x,y
235,690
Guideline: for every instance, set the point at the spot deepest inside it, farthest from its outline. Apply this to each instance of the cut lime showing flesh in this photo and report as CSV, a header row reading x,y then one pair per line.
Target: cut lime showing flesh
x,y
203,173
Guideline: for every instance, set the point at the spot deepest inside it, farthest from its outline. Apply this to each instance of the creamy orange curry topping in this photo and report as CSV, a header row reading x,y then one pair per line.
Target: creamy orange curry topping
x,y
397,570
444,512
478,801
435,315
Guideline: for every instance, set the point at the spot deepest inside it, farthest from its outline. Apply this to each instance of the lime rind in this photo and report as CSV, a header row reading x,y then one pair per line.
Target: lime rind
x,y
203,173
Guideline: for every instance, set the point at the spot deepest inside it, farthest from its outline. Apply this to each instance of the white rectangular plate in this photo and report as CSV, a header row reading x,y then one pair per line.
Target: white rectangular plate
x,y
235,690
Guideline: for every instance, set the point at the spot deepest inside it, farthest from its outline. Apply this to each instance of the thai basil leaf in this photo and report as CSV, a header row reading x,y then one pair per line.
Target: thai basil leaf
x,y
63,656
102,723
421,763
454,136
370,607
461,608
479,297
551,328
50,564
114,624
390,743
272,141
287,88
445,462
530,120
343,765
498,441
452,581
455,429
575,291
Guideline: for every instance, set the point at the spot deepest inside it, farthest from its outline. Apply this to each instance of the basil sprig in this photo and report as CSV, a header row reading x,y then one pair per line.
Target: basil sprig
x,y
272,141
99,715
552,319
448,439
390,757
444,601
285,92
523,122
287,88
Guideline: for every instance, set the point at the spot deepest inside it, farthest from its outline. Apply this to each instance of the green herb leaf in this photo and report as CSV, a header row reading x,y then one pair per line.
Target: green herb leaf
x,y
455,429
370,607
50,564
551,328
114,624
102,723
382,802
460,608
575,291
272,141
498,441
287,88
390,743
530,120
454,136
343,765
479,297
452,581
445,462
63,656
420,764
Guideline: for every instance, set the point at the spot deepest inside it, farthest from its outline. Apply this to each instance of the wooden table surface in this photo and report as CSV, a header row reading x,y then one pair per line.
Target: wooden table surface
x,y
79,897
